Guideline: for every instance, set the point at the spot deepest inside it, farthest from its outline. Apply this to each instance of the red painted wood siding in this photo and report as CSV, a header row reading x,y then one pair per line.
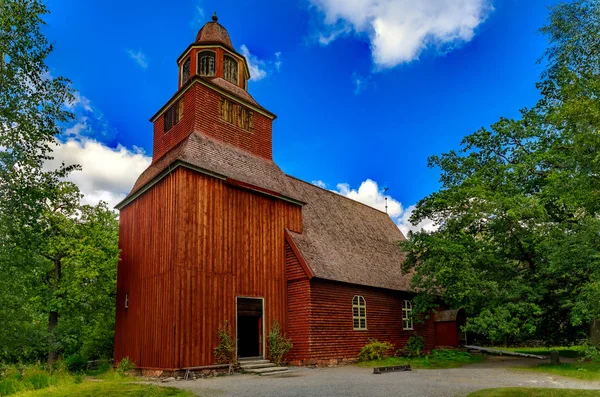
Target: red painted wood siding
x,y
191,244
298,307
447,333
332,335
144,332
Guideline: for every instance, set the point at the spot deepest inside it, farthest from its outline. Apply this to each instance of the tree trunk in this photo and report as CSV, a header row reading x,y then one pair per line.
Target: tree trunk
x,y
53,316
52,348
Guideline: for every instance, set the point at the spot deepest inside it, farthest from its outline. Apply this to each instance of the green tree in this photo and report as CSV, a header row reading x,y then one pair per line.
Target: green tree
x,y
58,258
518,209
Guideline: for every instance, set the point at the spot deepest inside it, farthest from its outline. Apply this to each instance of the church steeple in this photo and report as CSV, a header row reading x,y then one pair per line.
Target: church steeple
x,y
212,98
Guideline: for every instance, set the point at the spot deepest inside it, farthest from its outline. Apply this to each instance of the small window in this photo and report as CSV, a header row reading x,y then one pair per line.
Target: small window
x,y
359,313
227,110
126,301
173,115
407,321
185,71
230,68
206,63
245,119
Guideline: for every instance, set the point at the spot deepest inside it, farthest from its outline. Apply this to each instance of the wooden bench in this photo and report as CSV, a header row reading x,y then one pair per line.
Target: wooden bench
x,y
189,369
394,368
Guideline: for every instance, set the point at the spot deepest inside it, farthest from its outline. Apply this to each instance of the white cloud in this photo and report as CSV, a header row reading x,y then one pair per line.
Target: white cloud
x,y
107,173
260,68
399,30
139,57
371,194
256,65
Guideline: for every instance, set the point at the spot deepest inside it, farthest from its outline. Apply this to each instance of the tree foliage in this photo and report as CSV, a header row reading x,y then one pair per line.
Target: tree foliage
x,y
57,256
518,208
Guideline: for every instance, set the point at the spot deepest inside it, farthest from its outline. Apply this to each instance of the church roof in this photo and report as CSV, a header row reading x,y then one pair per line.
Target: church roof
x,y
222,160
345,240
214,33
342,239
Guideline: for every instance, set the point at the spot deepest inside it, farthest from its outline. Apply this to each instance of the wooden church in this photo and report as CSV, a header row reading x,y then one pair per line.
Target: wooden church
x,y
214,231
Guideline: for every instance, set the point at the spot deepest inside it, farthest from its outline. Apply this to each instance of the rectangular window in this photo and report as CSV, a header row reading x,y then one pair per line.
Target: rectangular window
x,y
173,115
359,313
126,301
407,320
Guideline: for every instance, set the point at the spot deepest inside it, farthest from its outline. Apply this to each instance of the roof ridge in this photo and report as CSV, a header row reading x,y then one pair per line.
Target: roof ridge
x,y
337,194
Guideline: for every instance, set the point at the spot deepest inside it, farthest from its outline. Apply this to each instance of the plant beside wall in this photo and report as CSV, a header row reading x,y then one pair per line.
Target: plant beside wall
x,y
415,345
279,345
225,351
374,350
124,366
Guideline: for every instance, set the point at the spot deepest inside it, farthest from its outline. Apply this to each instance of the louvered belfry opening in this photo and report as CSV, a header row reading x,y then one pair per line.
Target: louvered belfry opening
x,y
249,327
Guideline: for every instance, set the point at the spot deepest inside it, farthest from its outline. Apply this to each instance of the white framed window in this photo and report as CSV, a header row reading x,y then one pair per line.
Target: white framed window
x,y
206,63
126,301
230,69
407,321
359,313
185,71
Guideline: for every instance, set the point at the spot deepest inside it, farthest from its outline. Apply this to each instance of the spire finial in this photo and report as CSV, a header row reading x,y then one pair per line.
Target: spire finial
x,y
215,18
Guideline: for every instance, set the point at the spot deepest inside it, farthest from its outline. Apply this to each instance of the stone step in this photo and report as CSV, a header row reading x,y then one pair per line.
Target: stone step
x,y
285,371
252,362
246,367
266,370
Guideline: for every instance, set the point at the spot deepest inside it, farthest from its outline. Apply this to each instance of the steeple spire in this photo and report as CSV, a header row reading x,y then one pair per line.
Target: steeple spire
x,y
215,18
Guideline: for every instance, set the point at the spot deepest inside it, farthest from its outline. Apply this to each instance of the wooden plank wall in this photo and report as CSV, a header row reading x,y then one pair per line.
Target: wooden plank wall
x,y
332,336
143,332
298,308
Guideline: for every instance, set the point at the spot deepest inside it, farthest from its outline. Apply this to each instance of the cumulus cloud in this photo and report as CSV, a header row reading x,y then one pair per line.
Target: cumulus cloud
x,y
107,173
260,68
139,57
371,194
399,30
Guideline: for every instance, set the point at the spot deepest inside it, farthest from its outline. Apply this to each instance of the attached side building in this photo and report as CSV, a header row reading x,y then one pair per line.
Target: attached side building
x,y
215,234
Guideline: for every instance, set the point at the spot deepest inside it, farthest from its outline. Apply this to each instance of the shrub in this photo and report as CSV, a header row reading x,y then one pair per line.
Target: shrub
x,y
415,345
225,351
278,344
76,363
591,353
125,366
374,350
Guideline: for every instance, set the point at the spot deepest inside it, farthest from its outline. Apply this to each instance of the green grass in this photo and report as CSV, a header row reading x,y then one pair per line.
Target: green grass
x,y
531,392
438,359
563,351
578,370
106,388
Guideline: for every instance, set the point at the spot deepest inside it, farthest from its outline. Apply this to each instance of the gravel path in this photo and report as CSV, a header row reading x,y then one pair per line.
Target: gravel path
x,y
356,381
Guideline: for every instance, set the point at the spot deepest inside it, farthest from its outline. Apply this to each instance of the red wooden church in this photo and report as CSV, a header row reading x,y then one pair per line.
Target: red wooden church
x,y
215,231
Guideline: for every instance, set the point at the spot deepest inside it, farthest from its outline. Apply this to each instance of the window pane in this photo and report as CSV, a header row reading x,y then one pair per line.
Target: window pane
x,y
355,300
363,323
230,69
206,63
185,73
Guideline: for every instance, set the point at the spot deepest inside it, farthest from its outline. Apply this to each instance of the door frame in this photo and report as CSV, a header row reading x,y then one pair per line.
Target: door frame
x,y
262,299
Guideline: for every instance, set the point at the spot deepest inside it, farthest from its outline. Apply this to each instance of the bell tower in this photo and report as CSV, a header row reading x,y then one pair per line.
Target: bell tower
x,y
212,98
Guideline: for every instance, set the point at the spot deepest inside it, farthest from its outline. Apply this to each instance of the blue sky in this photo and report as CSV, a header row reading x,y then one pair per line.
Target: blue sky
x,y
364,90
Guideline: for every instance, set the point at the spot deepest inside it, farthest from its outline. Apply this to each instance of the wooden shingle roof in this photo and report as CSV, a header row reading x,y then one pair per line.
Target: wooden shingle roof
x,y
344,240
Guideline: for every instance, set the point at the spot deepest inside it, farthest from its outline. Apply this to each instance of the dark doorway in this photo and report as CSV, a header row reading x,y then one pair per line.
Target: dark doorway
x,y
249,327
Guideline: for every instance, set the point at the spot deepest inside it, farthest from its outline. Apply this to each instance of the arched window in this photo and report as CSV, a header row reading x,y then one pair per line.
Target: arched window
x,y
185,71
359,312
407,321
206,63
230,69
